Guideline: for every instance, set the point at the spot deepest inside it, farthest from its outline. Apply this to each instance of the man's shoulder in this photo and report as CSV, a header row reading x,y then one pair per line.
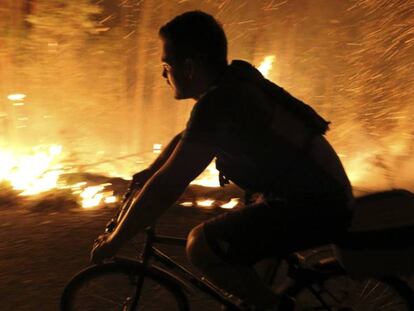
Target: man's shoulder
x,y
220,91
230,92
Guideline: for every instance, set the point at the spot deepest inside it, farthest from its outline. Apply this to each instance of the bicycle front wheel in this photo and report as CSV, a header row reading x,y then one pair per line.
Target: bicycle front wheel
x,y
342,293
113,287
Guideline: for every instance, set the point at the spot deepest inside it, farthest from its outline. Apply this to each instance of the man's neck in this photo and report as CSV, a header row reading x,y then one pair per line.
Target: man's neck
x,y
209,79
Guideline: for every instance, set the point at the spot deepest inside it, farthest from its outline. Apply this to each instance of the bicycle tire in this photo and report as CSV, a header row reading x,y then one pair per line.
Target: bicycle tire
x,y
340,292
111,286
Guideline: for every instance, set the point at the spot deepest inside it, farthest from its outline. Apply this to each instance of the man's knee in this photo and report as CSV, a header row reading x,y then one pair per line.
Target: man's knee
x,y
196,246
198,250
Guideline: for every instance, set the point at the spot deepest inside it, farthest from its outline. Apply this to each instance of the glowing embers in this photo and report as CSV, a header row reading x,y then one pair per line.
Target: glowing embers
x,y
94,195
266,65
210,203
231,204
187,204
209,178
205,203
40,170
16,97
157,148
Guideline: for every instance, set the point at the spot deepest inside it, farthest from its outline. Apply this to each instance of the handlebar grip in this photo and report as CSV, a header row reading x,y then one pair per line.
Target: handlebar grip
x,y
125,205
110,226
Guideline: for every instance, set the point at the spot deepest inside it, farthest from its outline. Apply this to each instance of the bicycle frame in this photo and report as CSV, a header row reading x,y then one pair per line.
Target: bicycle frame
x,y
201,283
302,275
151,252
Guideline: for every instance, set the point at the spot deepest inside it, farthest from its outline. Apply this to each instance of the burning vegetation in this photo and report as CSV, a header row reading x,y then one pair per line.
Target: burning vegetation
x,y
44,171
84,99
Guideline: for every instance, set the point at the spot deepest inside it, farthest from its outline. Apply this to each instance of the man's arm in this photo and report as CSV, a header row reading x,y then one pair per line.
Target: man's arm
x,y
164,188
165,154
139,179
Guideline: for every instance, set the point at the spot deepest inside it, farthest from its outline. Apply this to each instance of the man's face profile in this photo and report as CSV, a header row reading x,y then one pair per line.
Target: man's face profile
x,y
174,72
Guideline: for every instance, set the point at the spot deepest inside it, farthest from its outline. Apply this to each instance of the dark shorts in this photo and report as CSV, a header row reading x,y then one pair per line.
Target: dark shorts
x,y
275,229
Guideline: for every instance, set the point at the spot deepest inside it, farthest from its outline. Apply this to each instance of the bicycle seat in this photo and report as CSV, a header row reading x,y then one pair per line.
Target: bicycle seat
x,y
383,209
379,241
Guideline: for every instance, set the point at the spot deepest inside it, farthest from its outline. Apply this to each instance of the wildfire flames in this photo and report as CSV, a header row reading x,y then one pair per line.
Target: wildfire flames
x,y
40,169
266,65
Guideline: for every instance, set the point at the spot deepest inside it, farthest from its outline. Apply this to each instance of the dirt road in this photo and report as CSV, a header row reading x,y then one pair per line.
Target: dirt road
x,y
41,250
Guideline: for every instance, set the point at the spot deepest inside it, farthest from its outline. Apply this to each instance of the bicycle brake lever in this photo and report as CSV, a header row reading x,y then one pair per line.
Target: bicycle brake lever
x,y
111,224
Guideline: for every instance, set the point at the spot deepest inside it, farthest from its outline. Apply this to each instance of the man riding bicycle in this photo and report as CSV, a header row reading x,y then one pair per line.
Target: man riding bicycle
x,y
264,140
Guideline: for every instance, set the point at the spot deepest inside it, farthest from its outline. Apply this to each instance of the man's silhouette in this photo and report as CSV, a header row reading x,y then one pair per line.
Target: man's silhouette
x,y
264,140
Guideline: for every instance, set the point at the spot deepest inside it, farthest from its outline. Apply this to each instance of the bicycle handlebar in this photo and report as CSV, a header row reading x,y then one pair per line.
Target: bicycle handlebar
x,y
124,207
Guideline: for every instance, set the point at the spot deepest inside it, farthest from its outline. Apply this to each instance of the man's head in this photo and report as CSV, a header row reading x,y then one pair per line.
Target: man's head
x,y
194,51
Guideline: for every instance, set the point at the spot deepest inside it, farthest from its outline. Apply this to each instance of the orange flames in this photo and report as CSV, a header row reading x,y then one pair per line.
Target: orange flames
x,y
266,65
208,203
39,171
33,173
209,178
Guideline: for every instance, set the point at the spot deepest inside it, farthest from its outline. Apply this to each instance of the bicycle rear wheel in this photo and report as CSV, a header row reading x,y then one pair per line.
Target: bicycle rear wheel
x,y
342,293
113,286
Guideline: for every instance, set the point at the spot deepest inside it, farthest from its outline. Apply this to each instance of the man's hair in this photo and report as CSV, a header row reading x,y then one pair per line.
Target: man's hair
x,y
196,34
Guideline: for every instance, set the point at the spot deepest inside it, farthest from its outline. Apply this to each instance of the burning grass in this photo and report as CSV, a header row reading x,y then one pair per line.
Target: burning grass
x,y
43,180
76,196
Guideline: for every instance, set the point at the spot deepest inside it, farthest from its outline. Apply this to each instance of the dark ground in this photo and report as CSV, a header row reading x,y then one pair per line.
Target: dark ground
x,y
43,246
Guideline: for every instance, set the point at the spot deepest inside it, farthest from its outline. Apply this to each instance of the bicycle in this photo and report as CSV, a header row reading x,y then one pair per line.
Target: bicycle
x,y
316,281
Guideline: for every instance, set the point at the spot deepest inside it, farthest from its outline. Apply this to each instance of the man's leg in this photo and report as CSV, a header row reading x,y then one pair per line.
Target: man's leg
x,y
239,280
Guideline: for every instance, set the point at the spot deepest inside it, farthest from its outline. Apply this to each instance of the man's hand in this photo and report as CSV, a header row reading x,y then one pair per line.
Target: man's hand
x,y
103,248
160,192
138,181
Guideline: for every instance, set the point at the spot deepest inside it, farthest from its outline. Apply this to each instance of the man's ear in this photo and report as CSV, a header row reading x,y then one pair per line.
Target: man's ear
x,y
189,67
